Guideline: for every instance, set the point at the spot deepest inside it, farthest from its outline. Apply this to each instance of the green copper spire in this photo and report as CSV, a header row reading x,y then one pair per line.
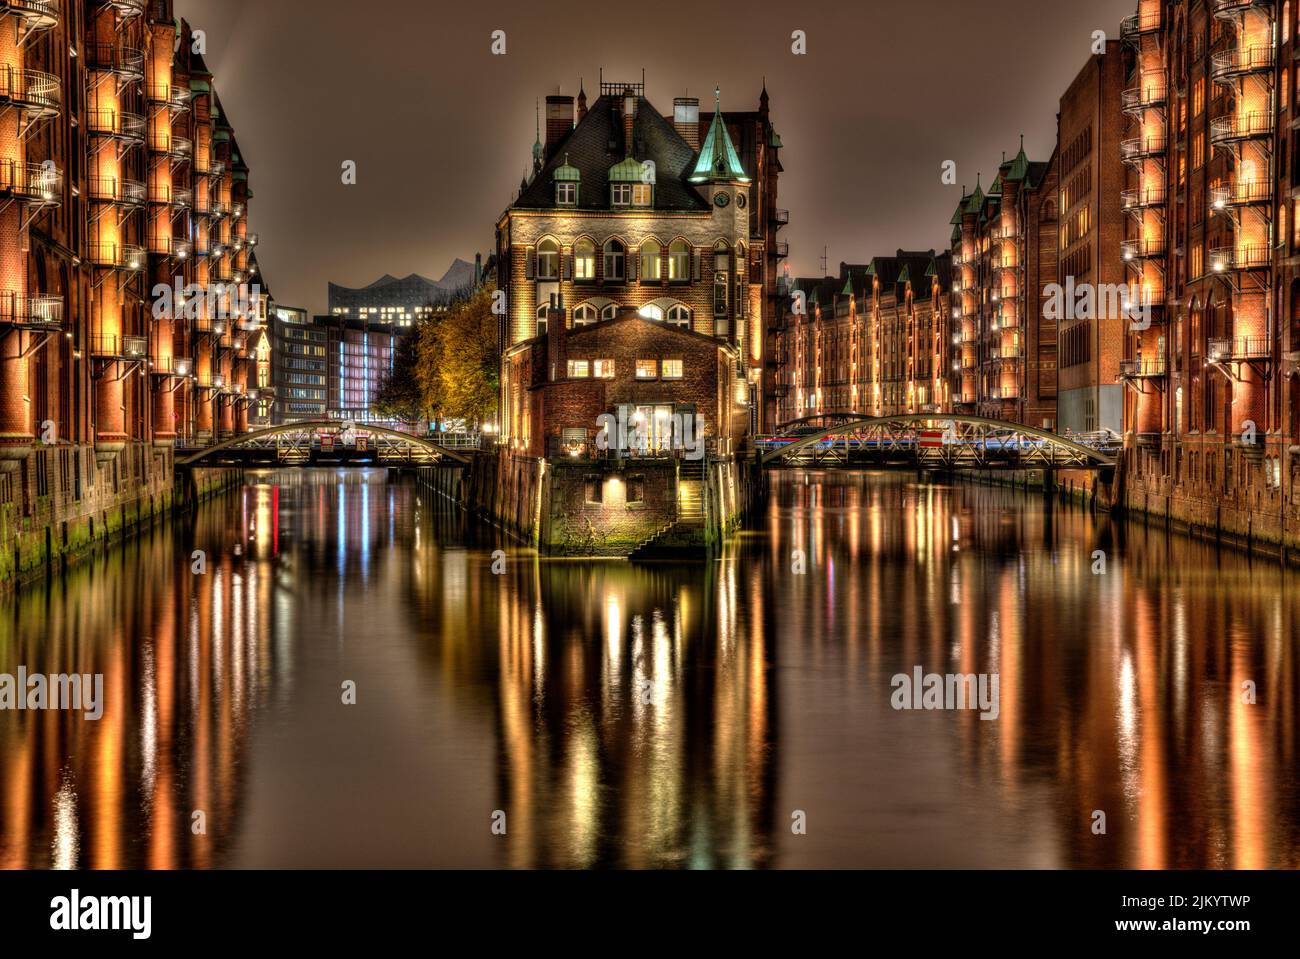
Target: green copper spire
x,y
1020,165
976,201
848,286
718,159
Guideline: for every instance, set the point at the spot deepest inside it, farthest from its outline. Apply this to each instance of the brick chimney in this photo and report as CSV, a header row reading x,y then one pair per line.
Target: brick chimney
x,y
559,121
629,115
686,120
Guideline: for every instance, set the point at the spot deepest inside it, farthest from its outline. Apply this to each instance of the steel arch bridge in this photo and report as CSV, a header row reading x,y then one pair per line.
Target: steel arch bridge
x,y
935,441
313,441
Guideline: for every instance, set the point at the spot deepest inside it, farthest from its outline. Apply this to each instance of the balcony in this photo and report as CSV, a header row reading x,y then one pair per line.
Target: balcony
x,y
127,193
182,198
1142,148
36,14
117,347
169,144
1147,369
126,9
124,62
1133,28
1143,198
175,98
171,246
127,127
31,312
218,210
39,95
1151,92
1230,64
1241,194
1240,348
1231,9
1230,259
1147,249
781,249
36,183
117,256
1236,127
780,218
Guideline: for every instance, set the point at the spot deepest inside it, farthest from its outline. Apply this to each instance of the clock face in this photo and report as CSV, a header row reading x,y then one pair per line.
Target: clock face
x,y
721,199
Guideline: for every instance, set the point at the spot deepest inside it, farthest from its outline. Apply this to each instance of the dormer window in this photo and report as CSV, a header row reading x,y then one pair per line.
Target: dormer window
x,y
642,194
566,179
620,194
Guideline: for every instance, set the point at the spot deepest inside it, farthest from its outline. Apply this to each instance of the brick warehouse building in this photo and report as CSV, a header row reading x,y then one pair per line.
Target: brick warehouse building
x,y
119,174
665,226
872,341
1004,349
1212,411
1090,125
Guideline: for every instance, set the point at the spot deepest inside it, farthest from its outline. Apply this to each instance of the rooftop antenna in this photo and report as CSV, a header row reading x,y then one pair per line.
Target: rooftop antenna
x,y
824,261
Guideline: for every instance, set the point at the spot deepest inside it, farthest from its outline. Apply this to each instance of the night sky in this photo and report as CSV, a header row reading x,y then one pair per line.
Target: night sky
x,y
441,130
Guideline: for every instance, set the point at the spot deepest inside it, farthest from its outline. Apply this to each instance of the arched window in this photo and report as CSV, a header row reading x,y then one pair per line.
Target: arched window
x,y
615,260
548,260
652,312
584,260
679,261
721,256
541,320
679,316
650,257
609,311
583,314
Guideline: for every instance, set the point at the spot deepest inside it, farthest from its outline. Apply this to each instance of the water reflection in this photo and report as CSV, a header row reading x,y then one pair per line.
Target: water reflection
x,y
671,715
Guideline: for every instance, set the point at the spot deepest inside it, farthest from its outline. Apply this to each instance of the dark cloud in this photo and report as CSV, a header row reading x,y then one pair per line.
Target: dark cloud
x,y
441,129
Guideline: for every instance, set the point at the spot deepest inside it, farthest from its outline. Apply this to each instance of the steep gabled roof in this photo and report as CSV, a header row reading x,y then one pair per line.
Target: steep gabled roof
x,y
596,144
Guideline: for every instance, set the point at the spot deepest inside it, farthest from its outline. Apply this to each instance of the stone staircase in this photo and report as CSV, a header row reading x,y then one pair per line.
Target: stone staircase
x,y
690,511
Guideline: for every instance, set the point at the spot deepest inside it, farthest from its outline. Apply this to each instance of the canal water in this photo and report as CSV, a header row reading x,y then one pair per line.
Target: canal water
x,y
358,678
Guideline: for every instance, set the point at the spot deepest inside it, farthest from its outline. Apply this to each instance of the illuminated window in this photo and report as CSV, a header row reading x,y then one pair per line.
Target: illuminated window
x,y
650,259
579,368
642,194
615,260
719,294
548,260
647,369
603,369
679,260
584,260
672,369
652,312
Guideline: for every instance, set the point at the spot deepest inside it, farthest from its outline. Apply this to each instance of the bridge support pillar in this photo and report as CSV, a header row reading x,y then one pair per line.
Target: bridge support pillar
x,y
1049,483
